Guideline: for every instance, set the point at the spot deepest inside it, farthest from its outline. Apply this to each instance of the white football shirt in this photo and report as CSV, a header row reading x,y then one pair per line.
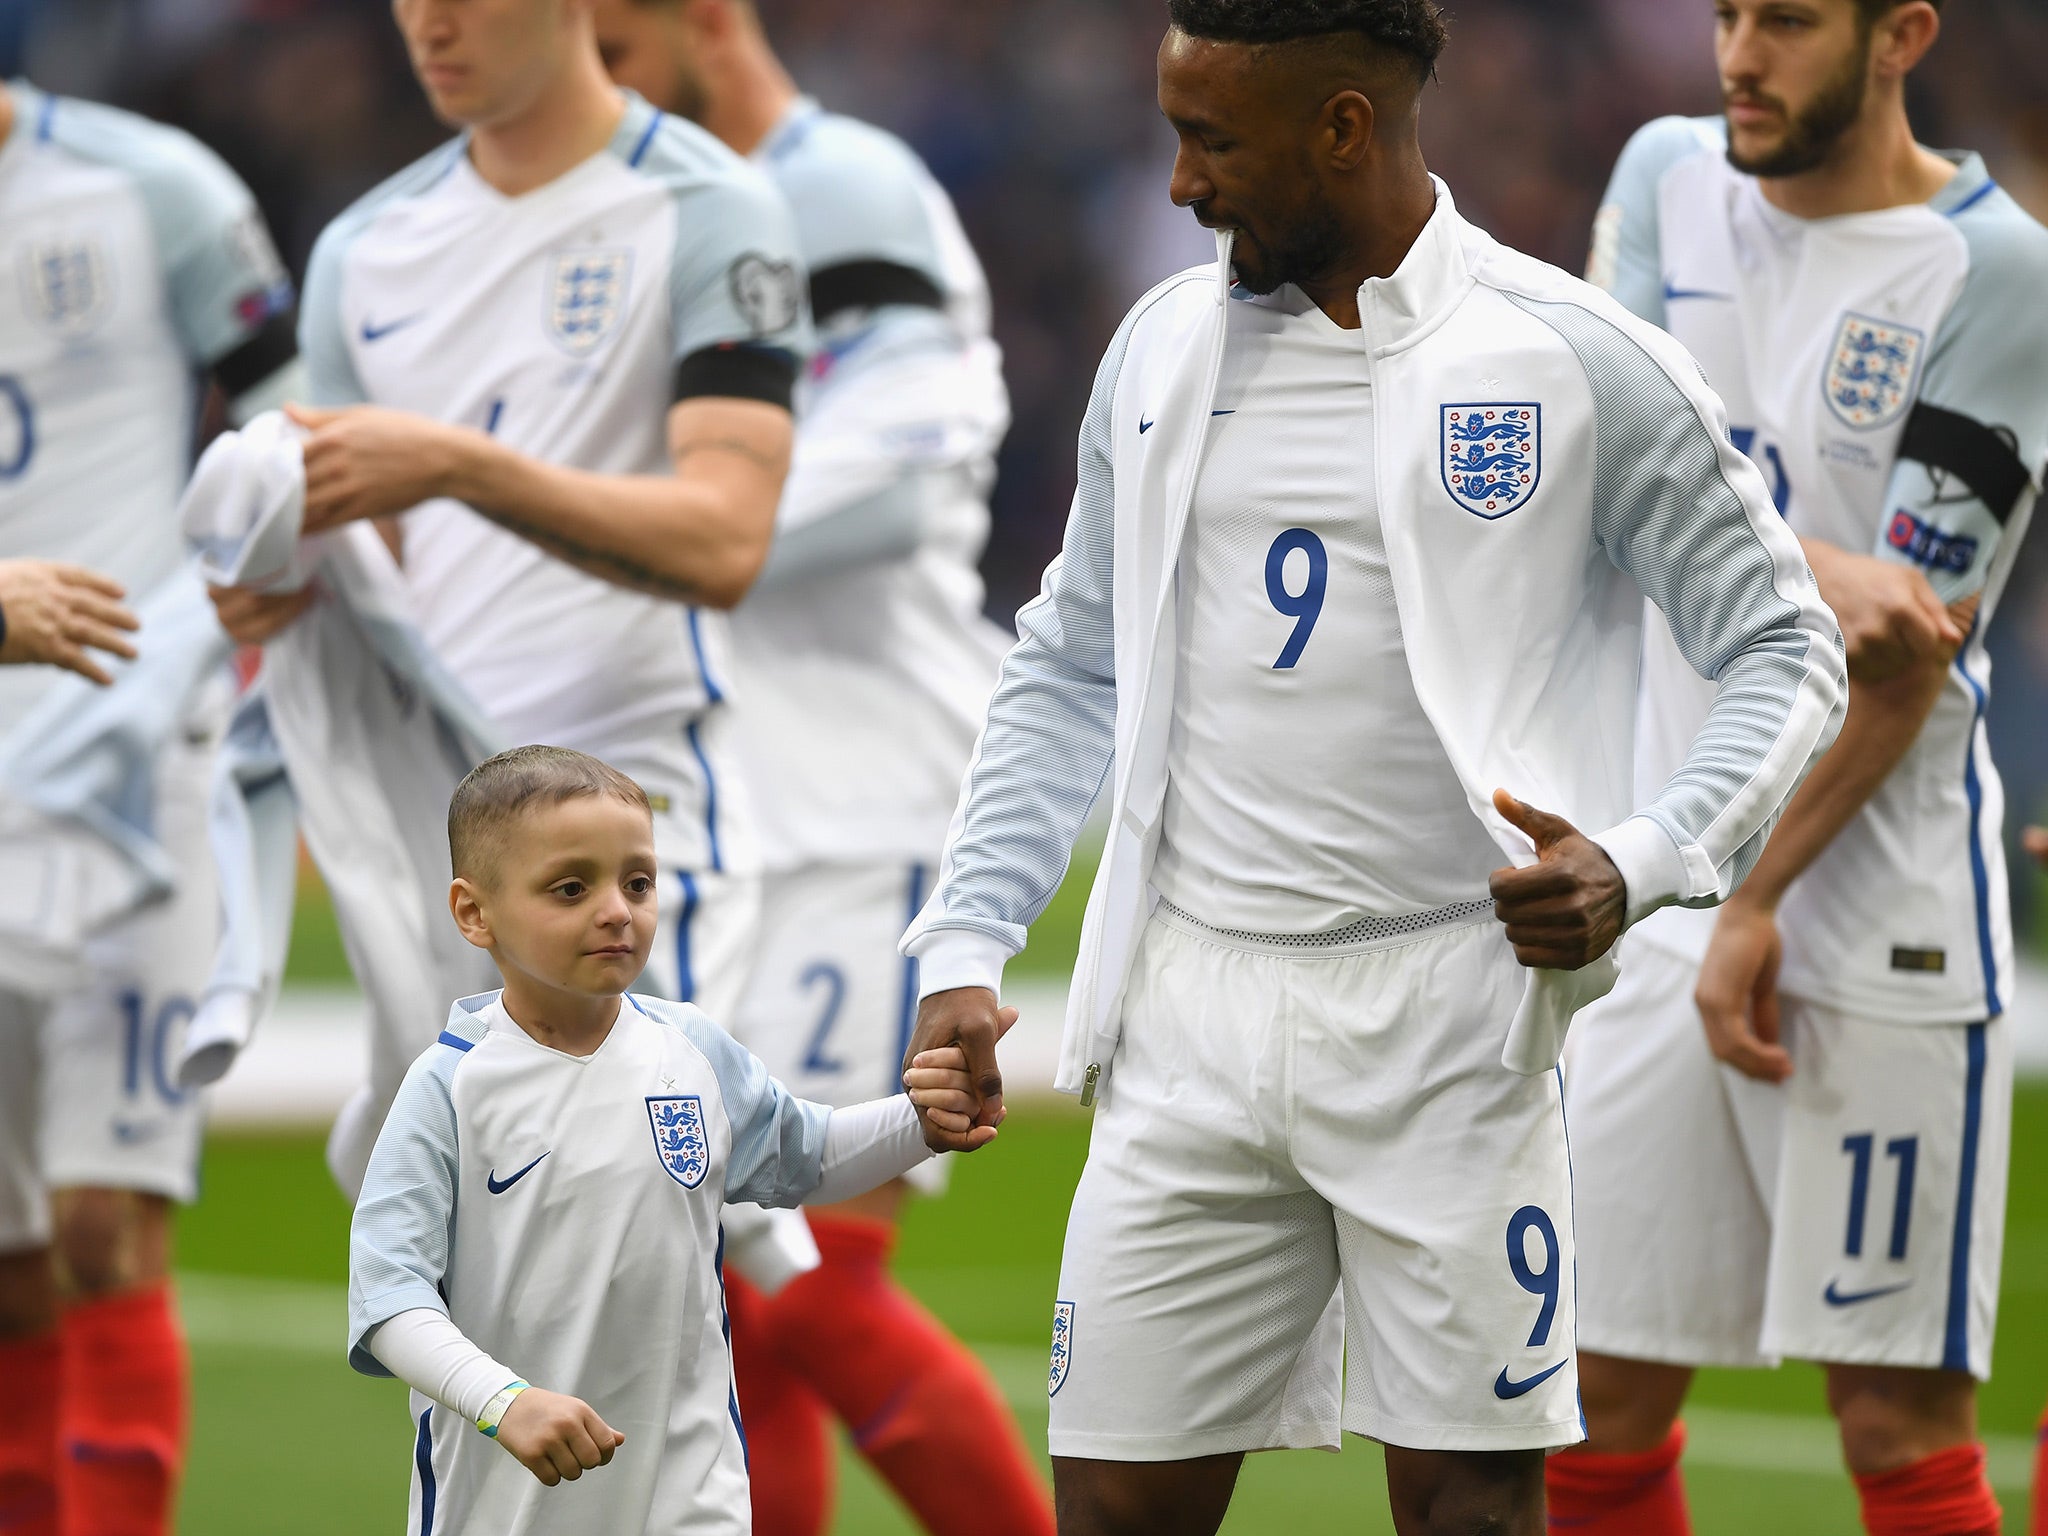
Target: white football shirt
x,y
556,320
1306,789
864,680
131,258
563,1211
1884,370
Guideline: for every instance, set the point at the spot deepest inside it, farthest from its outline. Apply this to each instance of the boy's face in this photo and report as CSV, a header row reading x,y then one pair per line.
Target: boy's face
x,y
570,906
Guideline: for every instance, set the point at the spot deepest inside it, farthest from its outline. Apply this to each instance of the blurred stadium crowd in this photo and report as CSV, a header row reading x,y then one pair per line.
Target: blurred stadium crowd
x,y
1038,116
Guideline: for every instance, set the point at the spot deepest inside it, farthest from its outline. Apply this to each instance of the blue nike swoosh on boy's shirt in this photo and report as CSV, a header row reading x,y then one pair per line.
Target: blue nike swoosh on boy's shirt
x,y
498,1186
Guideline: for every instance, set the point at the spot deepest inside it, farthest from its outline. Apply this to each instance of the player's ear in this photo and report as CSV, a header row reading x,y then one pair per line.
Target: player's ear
x,y
1902,37
465,905
1348,118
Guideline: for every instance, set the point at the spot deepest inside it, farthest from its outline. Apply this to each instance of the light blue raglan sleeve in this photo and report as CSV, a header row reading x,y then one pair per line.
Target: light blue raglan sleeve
x,y
323,344
1049,739
737,279
778,1139
403,1230
857,194
1627,258
1971,457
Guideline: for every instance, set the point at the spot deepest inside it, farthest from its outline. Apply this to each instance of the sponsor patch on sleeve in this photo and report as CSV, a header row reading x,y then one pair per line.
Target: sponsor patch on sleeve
x,y
1924,544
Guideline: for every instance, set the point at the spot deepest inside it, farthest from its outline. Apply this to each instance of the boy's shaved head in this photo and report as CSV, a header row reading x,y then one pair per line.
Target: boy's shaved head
x,y
496,793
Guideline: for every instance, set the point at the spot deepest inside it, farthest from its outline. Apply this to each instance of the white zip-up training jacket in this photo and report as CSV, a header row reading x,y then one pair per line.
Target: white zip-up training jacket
x,y
1516,578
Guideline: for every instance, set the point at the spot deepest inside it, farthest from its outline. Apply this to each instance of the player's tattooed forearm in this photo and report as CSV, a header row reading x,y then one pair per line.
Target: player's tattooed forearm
x,y
745,450
619,569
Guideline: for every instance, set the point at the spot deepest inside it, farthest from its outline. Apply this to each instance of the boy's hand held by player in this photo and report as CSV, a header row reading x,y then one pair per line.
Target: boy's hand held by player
x,y
967,1021
1565,910
1737,991
555,1436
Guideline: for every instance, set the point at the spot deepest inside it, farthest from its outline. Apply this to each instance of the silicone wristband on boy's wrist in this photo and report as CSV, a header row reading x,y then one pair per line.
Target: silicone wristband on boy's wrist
x,y
494,1410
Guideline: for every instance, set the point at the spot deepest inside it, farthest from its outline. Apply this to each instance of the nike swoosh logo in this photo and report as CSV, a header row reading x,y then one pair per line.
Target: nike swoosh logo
x,y
498,1186
131,1132
1672,294
1231,412
1507,1390
379,332
1144,427
1835,1298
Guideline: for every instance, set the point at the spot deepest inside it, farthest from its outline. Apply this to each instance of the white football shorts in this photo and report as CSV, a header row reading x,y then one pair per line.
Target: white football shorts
x,y
1303,1154
1853,1215
831,1003
89,1098
704,945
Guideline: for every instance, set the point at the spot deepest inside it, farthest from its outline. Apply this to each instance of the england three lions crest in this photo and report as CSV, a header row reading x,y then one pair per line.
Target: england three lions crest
x,y
1492,454
1870,372
66,285
1062,1346
586,295
679,1140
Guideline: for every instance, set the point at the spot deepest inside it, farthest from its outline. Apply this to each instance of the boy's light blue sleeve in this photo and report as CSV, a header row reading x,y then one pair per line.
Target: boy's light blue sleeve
x,y
1971,456
778,1139
404,1225
1627,256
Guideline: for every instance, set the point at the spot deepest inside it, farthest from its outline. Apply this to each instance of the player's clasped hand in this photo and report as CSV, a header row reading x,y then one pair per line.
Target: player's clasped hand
x,y
1737,991
966,1022
1565,910
555,1436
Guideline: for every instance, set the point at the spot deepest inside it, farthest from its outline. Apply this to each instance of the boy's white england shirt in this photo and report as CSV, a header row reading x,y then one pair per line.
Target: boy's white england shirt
x,y
555,321
1306,789
1873,364
131,259
563,1211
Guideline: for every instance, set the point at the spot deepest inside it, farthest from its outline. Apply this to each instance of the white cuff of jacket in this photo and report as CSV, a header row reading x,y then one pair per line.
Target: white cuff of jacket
x,y
424,1349
958,957
868,1145
1652,868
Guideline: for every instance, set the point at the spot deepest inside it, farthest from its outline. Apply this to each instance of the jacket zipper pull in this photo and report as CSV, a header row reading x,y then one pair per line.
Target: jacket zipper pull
x,y
1088,1085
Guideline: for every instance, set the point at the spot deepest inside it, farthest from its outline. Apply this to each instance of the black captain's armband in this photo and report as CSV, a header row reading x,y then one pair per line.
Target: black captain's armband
x,y
737,370
1983,458
870,285
256,359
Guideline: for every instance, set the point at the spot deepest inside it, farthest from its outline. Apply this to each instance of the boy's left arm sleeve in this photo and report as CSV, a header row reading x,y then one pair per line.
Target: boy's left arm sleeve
x,y
867,1145
778,1139
402,1233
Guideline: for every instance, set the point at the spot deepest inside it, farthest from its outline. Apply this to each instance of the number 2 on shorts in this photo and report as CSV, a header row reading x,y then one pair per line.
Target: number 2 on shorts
x,y
1537,1282
1306,606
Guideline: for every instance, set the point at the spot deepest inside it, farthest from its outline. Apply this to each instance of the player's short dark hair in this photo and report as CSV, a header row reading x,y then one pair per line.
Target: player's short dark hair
x,y
1414,28
498,791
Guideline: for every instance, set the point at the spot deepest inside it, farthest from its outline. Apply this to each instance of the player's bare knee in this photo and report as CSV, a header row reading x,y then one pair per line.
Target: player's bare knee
x,y
1466,1493
1126,1498
1630,1405
28,1294
109,1240
1890,1417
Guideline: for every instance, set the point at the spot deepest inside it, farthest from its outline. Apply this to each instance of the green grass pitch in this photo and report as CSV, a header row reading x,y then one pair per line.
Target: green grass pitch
x,y
286,1439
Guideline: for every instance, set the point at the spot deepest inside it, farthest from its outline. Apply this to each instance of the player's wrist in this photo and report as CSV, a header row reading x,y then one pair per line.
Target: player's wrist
x,y
501,1402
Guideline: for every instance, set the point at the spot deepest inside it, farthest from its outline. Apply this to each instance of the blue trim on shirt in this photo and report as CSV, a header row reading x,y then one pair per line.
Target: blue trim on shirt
x,y
1974,198
1955,1349
686,982
448,1038
647,138
45,118
1980,876
732,1397
907,1008
710,797
423,1459
712,691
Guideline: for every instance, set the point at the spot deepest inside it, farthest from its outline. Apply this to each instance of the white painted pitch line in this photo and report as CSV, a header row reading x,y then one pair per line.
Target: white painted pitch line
x,y
310,1318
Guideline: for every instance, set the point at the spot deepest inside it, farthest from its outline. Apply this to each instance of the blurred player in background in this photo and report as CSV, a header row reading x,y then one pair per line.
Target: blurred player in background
x,y
1833,1188
864,666
135,265
556,357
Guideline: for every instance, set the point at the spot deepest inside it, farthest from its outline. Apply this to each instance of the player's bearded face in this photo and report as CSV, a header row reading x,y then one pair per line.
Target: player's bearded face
x,y
649,49
1776,128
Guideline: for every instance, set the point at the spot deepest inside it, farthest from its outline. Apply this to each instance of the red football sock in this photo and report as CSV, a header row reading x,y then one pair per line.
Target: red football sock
x,y
28,1435
2039,1524
921,1408
122,1414
1597,1493
1946,1494
789,1455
